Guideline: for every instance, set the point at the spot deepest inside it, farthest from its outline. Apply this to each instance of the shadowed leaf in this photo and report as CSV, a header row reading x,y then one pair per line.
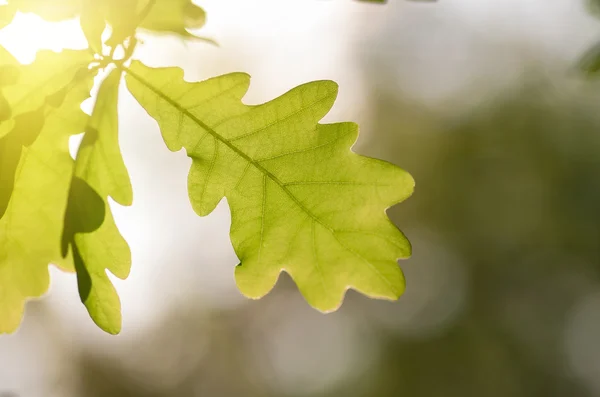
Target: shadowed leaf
x,y
31,228
9,75
89,226
26,130
27,92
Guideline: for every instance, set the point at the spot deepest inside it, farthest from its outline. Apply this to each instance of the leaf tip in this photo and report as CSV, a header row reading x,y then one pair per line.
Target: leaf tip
x,y
110,326
331,87
113,331
255,286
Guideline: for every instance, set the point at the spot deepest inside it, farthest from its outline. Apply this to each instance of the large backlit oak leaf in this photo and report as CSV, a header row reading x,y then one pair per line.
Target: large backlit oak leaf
x,y
301,201
90,230
31,228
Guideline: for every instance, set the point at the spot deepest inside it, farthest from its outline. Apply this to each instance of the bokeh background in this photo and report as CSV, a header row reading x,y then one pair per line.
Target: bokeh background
x,y
481,100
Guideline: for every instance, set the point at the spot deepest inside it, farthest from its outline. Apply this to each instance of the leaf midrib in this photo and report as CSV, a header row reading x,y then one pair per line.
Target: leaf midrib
x,y
257,165
227,143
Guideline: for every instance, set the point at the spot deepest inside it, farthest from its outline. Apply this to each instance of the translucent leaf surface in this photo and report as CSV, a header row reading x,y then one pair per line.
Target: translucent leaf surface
x,y
93,23
31,228
162,16
90,230
25,90
125,16
174,16
301,200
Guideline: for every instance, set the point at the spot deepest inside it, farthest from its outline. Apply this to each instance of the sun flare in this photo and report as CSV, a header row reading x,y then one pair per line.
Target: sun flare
x,y
28,33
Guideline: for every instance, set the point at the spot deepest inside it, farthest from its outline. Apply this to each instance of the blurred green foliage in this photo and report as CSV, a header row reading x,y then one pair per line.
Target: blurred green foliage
x,y
590,61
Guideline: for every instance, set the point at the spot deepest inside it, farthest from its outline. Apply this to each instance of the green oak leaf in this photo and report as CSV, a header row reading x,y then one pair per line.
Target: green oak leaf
x,y
89,226
124,16
93,23
25,89
31,228
301,201
174,16
49,73
155,16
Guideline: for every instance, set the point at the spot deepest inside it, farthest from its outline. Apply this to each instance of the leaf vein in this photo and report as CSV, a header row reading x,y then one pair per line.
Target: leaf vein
x,y
280,120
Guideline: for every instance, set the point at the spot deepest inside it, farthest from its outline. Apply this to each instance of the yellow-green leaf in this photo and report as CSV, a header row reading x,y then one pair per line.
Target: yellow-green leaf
x,y
93,23
156,16
124,16
25,89
301,201
174,16
90,229
31,228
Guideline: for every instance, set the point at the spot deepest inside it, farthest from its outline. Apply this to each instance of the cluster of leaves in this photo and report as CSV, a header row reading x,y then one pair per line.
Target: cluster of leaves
x,y
301,201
